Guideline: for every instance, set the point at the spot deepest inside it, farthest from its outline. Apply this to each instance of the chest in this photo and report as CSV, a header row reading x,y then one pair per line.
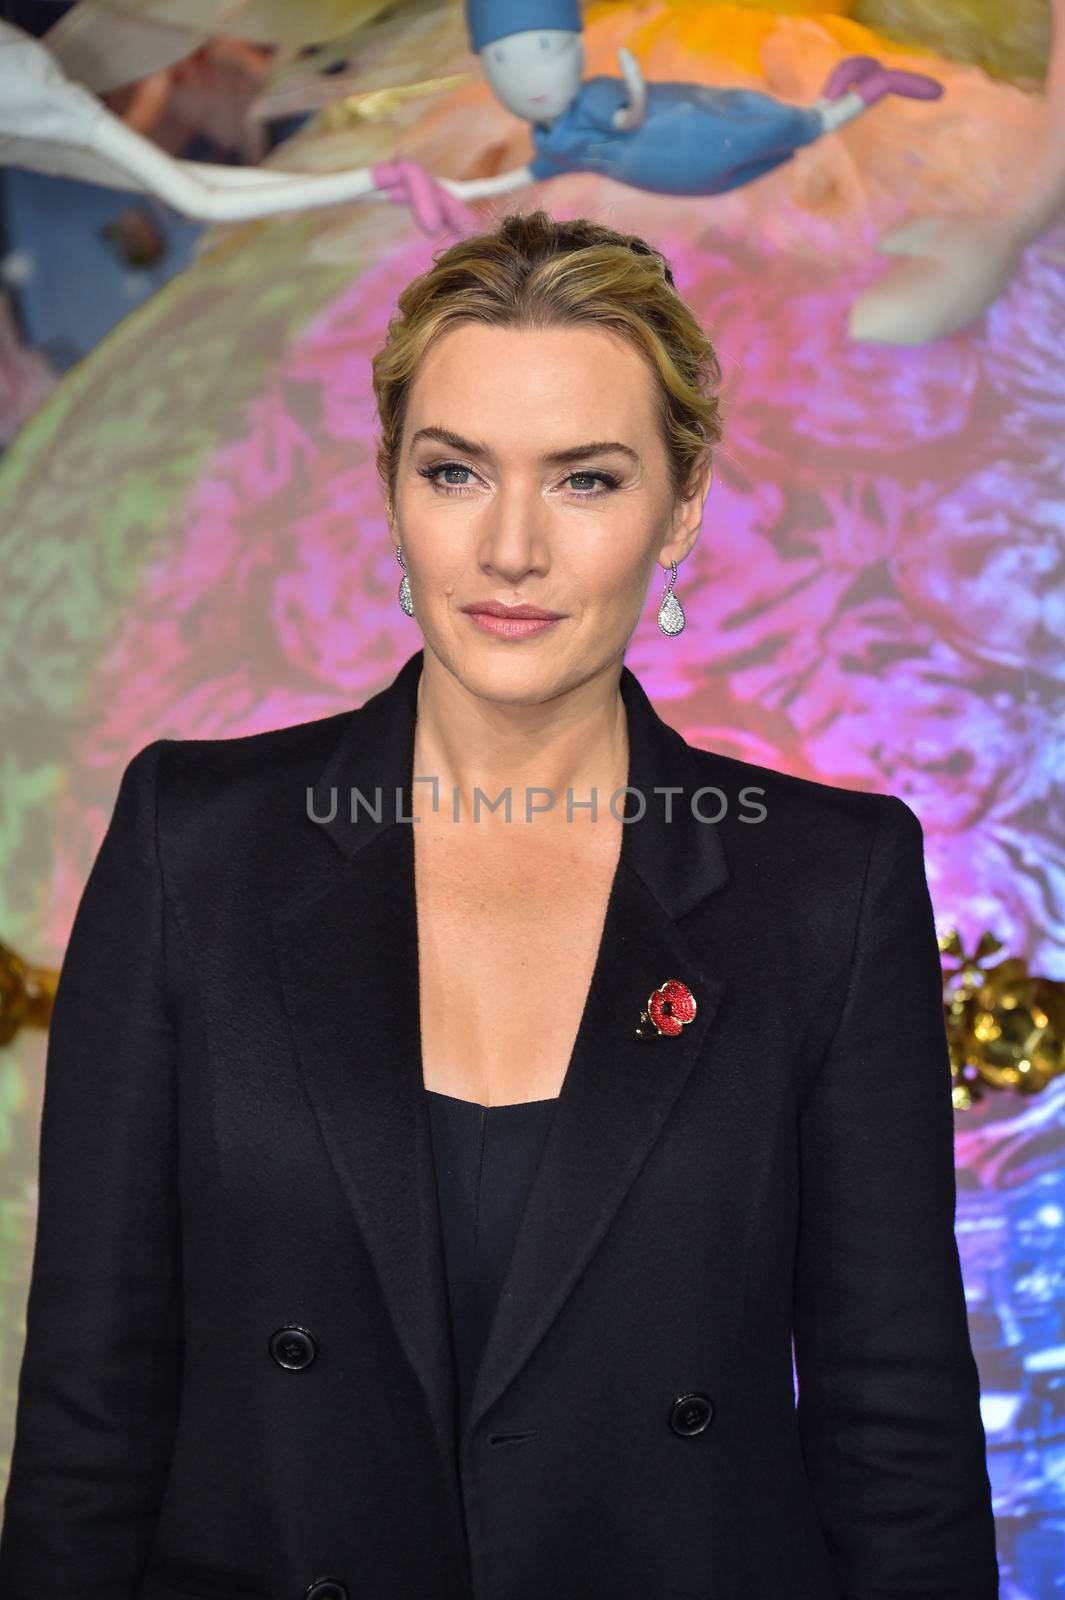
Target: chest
x,y
509,929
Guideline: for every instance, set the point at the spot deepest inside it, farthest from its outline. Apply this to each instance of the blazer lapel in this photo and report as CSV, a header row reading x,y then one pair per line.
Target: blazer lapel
x,y
347,950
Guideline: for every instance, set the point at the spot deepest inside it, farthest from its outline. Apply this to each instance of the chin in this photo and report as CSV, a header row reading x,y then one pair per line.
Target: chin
x,y
507,676
502,676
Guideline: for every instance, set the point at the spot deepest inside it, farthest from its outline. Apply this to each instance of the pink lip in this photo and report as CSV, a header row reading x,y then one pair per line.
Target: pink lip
x,y
496,608
510,622
510,627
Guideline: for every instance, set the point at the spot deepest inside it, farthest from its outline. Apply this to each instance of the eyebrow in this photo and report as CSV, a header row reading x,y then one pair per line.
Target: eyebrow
x,y
552,458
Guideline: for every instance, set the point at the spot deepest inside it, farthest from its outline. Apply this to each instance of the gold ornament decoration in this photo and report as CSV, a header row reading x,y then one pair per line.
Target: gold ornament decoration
x,y
27,994
1005,1025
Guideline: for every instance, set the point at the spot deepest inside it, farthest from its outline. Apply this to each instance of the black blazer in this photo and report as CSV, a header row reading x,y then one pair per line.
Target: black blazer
x,y
237,1378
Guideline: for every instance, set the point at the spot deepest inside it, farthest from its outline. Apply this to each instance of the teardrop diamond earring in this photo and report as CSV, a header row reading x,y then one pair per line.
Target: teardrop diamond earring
x,y
670,612
404,589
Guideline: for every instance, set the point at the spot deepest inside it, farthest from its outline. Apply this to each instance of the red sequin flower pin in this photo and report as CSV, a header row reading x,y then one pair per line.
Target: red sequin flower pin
x,y
668,1009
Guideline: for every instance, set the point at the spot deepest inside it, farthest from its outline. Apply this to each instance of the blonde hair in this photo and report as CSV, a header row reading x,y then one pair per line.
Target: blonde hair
x,y
534,271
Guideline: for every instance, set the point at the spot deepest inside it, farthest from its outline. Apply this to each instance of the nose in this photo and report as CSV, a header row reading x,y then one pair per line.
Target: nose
x,y
513,545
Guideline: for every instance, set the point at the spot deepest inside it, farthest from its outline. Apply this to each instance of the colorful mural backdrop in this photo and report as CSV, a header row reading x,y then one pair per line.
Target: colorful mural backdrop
x,y
193,544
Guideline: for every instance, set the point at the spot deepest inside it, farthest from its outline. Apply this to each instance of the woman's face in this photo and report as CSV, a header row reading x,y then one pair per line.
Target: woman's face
x,y
487,514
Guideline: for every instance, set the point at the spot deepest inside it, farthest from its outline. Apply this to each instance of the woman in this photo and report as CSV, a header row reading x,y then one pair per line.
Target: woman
x,y
427,1209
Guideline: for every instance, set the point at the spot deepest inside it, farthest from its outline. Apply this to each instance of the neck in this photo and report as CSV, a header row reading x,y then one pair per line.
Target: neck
x,y
575,740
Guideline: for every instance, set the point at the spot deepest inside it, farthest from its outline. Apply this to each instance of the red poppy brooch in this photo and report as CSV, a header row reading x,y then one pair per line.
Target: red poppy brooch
x,y
668,1009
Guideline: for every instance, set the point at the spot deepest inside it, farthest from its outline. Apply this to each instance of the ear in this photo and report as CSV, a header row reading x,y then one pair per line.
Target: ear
x,y
687,517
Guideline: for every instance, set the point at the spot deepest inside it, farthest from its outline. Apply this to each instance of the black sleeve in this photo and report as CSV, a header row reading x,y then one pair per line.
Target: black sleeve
x,y
100,1378
889,1393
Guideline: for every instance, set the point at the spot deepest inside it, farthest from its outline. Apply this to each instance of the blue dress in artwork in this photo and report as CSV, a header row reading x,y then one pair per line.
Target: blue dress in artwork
x,y
486,1158
695,139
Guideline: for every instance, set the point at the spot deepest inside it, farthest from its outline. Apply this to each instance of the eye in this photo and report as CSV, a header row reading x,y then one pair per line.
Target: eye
x,y
431,474
607,479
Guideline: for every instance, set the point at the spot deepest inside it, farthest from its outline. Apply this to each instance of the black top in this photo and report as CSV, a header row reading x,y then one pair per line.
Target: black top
x,y
486,1158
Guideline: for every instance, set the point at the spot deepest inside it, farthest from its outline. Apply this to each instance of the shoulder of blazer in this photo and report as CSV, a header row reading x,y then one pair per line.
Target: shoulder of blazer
x,y
810,799
201,765
210,788
797,839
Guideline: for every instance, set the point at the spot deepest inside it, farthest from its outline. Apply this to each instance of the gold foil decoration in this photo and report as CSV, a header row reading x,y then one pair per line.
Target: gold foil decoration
x,y
26,994
1005,1025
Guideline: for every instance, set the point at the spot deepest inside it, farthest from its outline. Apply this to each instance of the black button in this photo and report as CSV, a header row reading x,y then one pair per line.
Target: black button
x,y
294,1348
691,1414
326,1589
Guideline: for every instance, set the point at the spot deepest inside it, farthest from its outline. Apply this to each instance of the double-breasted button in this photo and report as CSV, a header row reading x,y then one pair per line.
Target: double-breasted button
x,y
294,1348
691,1413
326,1589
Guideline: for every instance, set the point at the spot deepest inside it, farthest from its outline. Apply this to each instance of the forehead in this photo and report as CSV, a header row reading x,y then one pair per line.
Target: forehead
x,y
549,380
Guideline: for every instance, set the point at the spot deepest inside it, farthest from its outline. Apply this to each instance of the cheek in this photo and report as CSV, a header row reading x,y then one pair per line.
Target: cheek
x,y
612,572
439,554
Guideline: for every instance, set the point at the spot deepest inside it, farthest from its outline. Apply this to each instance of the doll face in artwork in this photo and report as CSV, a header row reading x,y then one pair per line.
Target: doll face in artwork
x,y
483,512
535,74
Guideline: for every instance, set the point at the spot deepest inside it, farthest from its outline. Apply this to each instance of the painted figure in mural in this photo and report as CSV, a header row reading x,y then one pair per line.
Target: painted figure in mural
x,y
51,123
669,138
